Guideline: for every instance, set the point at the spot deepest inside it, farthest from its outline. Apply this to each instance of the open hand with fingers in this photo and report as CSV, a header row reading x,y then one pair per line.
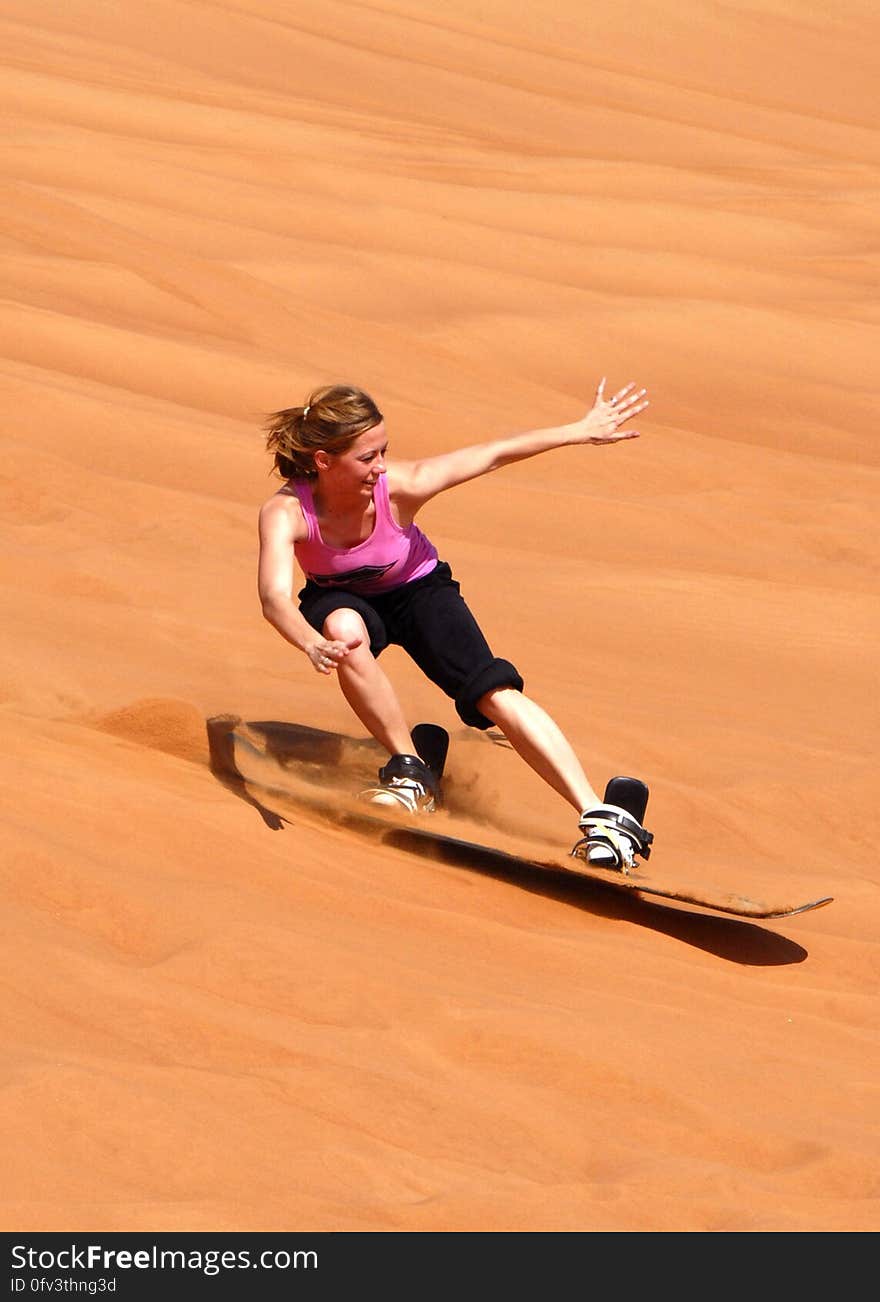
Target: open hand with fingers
x,y
326,655
602,422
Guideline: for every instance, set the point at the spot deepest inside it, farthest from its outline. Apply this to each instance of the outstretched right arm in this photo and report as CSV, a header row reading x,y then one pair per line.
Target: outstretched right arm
x,y
282,525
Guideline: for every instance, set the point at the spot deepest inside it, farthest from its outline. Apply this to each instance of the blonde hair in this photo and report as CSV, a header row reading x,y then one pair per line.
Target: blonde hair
x,y
330,421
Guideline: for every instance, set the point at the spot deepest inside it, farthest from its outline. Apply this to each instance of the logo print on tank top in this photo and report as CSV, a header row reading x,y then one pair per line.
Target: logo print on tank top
x,y
365,574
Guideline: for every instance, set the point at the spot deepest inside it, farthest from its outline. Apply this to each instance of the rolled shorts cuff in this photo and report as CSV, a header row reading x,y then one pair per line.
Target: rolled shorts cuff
x,y
498,673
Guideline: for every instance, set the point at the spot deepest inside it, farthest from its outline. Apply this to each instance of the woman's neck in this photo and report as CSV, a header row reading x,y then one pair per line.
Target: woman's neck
x,y
354,502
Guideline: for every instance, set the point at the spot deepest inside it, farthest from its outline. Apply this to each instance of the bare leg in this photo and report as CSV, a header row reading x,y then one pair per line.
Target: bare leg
x,y
534,736
367,687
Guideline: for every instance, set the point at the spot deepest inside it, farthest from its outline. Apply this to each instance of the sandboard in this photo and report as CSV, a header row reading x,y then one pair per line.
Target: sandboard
x,y
739,906
634,881
315,754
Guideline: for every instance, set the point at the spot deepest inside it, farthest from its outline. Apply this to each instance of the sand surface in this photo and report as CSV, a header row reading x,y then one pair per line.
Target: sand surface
x,y
222,1013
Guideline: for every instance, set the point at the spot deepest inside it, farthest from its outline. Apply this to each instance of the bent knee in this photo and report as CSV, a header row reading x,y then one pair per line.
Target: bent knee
x,y
498,703
343,625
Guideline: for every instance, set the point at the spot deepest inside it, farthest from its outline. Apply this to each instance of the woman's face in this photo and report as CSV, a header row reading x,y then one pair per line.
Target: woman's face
x,y
358,468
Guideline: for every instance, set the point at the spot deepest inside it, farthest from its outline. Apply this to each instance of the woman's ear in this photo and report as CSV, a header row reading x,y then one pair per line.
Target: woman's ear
x,y
321,460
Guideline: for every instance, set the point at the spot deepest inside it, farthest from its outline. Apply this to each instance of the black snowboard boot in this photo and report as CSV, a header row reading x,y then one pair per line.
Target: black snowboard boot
x,y
612,838
406,782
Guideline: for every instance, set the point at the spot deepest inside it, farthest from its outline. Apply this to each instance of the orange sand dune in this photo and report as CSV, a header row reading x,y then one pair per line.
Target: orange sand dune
x,y
223,1017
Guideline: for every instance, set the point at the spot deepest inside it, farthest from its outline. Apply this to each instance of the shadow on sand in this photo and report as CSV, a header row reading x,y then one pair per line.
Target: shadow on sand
x,y
268,754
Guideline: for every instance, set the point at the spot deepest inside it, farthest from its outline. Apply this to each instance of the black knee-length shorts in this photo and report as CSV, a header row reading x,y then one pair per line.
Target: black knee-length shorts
x,y
430,619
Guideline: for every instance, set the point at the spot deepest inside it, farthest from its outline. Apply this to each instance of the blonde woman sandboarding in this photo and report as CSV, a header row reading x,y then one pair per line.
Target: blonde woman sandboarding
x,y
346,514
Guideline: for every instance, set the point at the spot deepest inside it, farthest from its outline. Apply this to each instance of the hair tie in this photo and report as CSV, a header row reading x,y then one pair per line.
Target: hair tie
x,y
306,410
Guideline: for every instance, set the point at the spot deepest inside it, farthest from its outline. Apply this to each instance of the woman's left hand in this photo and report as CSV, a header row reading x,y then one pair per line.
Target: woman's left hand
x,y
602,422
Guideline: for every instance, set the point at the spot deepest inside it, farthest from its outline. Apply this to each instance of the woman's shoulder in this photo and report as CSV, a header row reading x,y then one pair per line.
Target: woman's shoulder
x,y
283,512
399,478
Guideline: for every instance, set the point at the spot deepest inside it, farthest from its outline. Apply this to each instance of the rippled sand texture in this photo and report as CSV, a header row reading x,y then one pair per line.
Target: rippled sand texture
x,y
224,1014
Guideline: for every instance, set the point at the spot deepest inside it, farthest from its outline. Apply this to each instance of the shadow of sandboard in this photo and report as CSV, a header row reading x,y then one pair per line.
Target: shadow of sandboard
x,y
304,768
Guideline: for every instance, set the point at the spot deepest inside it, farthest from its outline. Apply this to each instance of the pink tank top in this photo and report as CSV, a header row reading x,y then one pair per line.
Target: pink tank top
x,y
390,556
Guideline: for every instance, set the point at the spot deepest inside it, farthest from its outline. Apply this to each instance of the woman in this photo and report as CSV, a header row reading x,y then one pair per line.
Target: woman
x,y
347,514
